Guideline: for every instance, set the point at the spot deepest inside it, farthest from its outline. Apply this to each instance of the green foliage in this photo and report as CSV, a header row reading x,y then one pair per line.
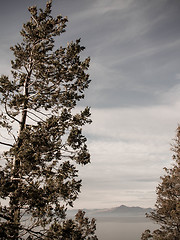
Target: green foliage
x,y
167,208
40,180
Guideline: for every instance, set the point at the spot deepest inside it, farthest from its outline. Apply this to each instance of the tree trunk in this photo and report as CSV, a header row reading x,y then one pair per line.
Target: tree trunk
x,y
16,176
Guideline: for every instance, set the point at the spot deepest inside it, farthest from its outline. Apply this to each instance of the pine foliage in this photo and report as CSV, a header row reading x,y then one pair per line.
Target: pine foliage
x,y
167,208
38,174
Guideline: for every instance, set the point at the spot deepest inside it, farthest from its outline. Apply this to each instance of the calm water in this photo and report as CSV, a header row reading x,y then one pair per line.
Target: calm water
x,y
122,228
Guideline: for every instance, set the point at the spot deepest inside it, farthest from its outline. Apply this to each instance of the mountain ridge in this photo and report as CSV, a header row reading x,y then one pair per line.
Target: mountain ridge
x,y
121,211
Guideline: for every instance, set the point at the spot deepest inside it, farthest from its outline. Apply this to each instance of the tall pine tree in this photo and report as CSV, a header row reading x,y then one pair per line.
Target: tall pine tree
x,y
38,174
167,208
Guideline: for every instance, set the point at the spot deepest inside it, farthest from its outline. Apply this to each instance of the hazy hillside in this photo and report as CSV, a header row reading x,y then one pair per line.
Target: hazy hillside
x,y
122,211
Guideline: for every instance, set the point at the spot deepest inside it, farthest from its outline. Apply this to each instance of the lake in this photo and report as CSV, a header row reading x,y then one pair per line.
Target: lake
x,y
125,228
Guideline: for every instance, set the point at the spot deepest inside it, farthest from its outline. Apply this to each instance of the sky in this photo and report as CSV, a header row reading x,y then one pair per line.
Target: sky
x,y
134,47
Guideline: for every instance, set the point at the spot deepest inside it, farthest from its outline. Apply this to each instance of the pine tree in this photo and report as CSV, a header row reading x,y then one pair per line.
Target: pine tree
x,y
167,208
38,174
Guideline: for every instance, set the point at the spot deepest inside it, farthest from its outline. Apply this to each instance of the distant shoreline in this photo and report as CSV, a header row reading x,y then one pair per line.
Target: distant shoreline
x,y
131,219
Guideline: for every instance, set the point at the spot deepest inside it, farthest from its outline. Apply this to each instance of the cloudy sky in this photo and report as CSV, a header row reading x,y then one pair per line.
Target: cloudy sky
x,y
134,94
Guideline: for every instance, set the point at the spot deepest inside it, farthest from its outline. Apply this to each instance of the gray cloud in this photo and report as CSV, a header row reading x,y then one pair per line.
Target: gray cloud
x,y
134,46
129,148
133,50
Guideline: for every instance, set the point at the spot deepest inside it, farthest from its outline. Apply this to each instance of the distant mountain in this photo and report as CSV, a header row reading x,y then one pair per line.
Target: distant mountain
x,y
121,211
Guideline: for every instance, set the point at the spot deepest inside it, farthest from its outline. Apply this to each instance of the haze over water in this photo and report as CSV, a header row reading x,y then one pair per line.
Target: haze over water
x,y
122,228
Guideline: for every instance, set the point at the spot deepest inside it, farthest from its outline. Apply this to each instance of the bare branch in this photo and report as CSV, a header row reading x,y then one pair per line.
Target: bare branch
x,y
36,234
35,20
10,115
5,217
4,137
36,115
33,119
6,144
10,134
45,114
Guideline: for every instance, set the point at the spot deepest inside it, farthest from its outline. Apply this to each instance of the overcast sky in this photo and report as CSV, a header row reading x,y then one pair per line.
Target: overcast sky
x,y
134,94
